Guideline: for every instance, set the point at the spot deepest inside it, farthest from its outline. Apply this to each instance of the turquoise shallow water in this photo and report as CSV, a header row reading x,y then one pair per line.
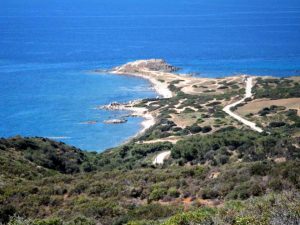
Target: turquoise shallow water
x,y
47,46
58,105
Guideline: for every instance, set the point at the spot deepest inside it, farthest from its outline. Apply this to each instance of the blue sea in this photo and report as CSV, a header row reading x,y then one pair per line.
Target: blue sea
x,y
49,47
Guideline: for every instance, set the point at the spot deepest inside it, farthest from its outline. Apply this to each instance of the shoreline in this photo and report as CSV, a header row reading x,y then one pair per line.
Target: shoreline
x,y
148,118
166,83
148,122
159,87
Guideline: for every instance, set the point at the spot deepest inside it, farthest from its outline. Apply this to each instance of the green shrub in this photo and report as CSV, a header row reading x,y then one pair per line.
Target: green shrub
x,y
22,221
15,220
202,217
6,211
210,193
151,211
248,220
173,192
206,129
142,222
260,168
194,129
81,221
157,194
277,124
48,222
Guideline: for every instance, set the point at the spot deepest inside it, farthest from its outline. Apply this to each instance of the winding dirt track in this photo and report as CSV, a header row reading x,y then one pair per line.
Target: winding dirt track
x,y
248,94
160,158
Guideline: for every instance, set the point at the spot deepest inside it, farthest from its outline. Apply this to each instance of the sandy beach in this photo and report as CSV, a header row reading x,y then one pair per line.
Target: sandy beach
x,y
160,88
149,119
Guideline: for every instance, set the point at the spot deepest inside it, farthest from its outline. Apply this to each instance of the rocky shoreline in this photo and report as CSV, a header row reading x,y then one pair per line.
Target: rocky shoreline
x,y
149,119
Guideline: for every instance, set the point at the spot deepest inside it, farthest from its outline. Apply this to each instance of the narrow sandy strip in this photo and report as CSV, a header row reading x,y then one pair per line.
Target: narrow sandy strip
x,y
161,88
161,157
149,119
171,139
248,94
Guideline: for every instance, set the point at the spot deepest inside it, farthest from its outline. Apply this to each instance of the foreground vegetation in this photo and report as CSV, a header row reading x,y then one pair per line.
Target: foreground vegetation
x,y
270,209
225,169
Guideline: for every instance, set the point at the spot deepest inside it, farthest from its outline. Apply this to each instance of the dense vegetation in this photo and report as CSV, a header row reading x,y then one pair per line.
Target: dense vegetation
x,y
276,88
229,143
198,107
47,153
122,185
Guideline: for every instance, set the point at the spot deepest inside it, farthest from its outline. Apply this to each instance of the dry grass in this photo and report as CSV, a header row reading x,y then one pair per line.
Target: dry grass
x,y
172,139
257,105
185,119
208,86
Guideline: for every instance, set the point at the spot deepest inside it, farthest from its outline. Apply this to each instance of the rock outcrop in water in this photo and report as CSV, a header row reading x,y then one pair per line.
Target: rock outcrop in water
x,y
115,121
146,65
112,106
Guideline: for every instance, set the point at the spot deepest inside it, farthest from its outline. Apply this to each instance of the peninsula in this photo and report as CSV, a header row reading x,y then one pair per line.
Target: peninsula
x,y
188,105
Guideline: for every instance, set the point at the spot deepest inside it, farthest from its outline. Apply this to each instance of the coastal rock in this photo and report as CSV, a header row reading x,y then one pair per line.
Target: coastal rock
x,y
115,121
112,106
89,122
119,106
149,65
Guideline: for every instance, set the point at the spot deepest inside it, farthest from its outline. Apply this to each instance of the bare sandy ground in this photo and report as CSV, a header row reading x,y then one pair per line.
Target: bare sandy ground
x,y
161,157
171,139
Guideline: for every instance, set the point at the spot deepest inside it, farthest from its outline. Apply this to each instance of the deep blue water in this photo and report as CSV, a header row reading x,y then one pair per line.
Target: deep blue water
x,y
47,46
